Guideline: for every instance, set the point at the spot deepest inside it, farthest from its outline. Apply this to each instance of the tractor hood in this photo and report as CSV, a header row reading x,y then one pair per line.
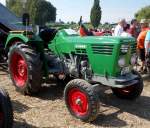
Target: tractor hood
x,y
97,39
75,38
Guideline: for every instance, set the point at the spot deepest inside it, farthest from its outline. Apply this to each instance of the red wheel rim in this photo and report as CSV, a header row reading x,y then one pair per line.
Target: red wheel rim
x,y
78,101
18,68
126,91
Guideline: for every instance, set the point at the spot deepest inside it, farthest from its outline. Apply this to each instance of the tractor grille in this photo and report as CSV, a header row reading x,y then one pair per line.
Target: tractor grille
x,y
133,48
80,51
106,49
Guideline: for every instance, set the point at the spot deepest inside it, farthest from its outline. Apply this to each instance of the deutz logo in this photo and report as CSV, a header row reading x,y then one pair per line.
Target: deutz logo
x,y
80,46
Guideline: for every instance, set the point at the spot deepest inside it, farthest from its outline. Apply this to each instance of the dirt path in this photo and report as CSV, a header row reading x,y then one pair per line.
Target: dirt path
x,y
47,109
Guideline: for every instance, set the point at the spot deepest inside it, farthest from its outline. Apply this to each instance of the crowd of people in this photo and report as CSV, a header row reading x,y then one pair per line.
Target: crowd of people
x,y
141,32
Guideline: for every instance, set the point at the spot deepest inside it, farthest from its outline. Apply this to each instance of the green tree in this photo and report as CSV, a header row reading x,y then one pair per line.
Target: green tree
x,y
96,14
45,12
10,3
16,6
143,13
31,8
40,11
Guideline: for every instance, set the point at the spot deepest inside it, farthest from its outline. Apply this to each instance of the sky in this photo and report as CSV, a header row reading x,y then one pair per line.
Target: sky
x,y
112,10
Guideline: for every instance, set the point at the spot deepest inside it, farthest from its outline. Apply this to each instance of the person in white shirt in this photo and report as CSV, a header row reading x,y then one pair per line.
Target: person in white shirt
x,y
119,28
126,32
147,43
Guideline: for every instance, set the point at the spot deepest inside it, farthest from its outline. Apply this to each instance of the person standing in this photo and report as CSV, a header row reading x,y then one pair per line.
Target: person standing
x,y
126,32
147,43
133,28
119,28
140,42
147,50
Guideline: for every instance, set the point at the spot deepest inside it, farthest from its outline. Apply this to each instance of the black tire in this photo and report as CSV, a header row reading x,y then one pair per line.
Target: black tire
x,y
33,69
132,92
6,112
86,89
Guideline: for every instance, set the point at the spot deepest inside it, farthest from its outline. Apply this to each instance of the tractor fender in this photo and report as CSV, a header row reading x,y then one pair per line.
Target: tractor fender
x,y
13,38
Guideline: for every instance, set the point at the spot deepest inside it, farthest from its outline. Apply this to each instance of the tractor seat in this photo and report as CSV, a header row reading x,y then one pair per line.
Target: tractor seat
x,y
47,34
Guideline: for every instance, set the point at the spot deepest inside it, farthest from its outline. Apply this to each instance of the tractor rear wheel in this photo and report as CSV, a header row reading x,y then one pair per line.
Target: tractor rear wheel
x,y
130,92
6,112
81,100
25,68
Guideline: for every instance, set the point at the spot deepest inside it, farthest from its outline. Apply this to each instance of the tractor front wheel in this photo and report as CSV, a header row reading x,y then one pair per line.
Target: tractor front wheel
x,y
81,101
130,92
25,68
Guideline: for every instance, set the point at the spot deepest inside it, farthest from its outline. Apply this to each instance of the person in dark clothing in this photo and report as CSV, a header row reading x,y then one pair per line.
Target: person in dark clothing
x,y
133,28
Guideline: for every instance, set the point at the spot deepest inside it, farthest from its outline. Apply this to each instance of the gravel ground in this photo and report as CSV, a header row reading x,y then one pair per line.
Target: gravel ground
x,y
47,109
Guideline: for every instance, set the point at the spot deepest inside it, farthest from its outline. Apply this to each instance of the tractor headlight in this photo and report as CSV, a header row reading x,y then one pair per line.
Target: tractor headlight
x,y
124,48
133,59
121,62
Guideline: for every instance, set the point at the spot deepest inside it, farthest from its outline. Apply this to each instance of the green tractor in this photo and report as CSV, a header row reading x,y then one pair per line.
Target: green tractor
x,y
85,63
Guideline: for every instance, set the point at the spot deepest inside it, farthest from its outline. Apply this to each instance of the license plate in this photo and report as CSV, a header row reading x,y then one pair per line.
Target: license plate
x,y
125,70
